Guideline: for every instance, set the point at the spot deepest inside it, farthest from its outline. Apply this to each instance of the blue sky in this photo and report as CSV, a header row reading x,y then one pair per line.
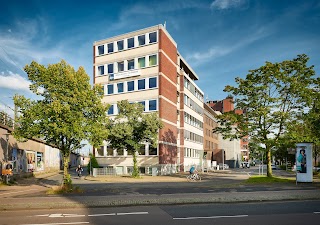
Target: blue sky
x,y
220,39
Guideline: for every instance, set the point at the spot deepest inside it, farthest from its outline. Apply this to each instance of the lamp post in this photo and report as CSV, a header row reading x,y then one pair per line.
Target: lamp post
x,y
7,149
6,158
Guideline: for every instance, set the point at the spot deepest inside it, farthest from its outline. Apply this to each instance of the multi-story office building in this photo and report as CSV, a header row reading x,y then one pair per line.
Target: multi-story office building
x,y
227,105
144,66
211,140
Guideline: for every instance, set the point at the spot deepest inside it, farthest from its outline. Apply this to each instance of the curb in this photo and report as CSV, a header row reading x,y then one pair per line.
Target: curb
x,y
142,200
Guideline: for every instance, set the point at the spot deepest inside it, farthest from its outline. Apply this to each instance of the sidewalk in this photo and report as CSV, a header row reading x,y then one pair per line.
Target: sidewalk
x,y
29,195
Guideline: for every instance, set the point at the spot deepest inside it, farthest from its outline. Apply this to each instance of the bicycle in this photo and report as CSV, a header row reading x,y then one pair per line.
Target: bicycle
x,y
193,177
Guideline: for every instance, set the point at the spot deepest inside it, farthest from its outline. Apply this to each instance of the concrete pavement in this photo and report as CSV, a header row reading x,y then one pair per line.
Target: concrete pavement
x,y
124,191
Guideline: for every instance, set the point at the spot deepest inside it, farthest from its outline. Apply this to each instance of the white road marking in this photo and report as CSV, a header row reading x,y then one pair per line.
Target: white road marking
x,y
72,215
208,217
132,213
316,212
55,223
110,214
56,215
59,215
8,193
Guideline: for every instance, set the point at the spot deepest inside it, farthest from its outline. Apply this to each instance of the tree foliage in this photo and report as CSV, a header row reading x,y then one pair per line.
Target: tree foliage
x,y
272,97
131,128
307,127
68,109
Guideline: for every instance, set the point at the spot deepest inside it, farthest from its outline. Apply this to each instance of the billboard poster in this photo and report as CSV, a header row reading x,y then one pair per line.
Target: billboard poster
x,y
304,162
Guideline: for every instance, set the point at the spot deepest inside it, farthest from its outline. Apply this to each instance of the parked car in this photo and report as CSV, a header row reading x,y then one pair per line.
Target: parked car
x,y
223,166
273,167
245,165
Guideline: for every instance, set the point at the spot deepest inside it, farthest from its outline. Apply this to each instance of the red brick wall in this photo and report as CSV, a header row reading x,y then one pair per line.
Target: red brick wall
x,y
167,46
167,111
228,105
167,68
167,152
167,89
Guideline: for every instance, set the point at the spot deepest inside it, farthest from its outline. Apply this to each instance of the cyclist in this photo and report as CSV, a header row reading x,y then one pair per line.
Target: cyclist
x,y
193,170
79,170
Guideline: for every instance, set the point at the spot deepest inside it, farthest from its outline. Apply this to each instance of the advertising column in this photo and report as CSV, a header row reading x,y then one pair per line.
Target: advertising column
x,y
304,162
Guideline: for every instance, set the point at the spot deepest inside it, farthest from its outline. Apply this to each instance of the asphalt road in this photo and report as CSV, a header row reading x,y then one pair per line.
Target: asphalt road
x,y
291,213
211,183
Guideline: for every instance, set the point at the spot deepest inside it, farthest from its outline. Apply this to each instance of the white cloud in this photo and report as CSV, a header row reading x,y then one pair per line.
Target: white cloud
x,y
213,52
227,4
228,46
14,81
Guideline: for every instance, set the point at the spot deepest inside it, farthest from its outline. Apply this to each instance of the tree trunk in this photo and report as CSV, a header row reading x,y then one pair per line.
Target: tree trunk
x,y
269,169
135,172
66,177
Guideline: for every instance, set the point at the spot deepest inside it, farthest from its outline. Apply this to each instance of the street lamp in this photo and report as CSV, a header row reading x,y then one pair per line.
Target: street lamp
x,y
7,150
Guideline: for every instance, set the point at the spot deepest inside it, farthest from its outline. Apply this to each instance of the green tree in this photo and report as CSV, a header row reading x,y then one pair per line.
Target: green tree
x,y
271,97
307,127
68,109
131,128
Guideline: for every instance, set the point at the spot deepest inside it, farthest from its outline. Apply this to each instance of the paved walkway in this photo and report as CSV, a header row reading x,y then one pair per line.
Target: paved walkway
x,y
124,191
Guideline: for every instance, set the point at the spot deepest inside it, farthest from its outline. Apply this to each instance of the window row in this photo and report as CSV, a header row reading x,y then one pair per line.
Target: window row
x,y
192,120
190,103
143,150
210,133
191,153
210,145
148,106
193,137
210,122
193,89
127,43
133,85
125,65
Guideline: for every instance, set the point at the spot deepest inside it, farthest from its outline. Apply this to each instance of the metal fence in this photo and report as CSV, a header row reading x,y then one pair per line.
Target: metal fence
x,y
5,119
154,170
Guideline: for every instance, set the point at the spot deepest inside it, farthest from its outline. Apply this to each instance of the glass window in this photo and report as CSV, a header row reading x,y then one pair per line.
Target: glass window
x,y
144,105
100,70
110,89
141,62
130,42
120,151
109,151
120,66
152,105
152,150
142,40
152,60
120,45
111,111
131,64
110,68
110,48
141,84
142,150
101,50
152,82
130,85
153,37
120,87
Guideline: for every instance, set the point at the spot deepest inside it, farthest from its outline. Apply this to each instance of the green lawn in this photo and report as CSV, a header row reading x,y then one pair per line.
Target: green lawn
x,y
268,180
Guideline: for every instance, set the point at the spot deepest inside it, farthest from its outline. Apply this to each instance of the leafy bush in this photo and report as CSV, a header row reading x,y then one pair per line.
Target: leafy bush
x,y
93,163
